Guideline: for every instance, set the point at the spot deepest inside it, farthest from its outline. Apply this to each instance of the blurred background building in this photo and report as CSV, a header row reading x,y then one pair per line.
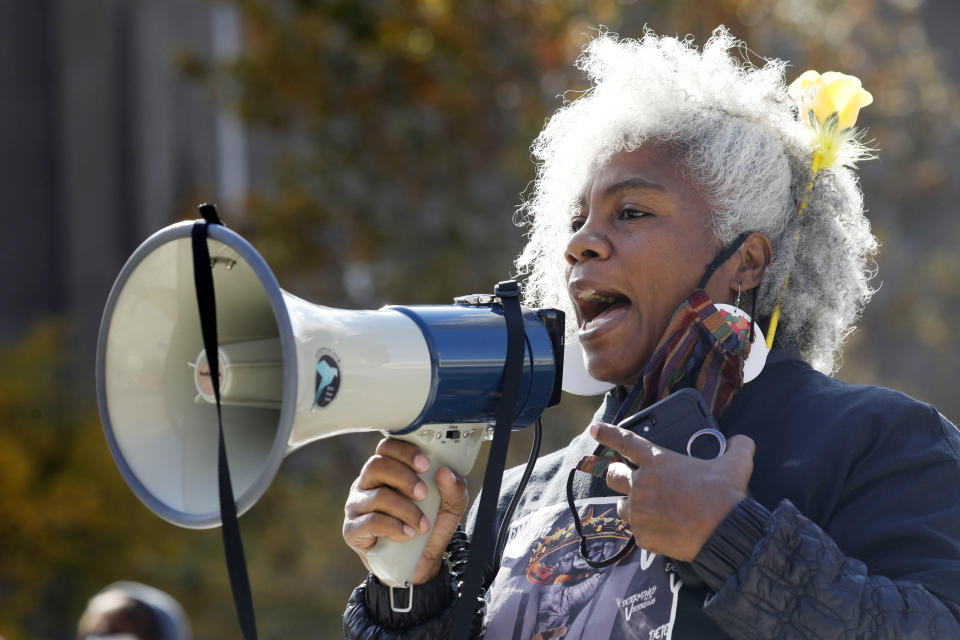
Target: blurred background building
x,y
104,143
373,152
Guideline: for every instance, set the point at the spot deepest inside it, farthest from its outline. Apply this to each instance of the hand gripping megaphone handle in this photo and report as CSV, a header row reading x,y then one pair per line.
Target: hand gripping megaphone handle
x,y
454,446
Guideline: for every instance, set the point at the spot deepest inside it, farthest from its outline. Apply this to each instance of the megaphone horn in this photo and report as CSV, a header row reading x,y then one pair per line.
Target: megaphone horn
x,y
292,372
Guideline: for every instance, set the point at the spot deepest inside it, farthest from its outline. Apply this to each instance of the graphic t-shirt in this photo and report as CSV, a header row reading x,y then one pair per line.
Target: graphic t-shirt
x,y
874,453
545,590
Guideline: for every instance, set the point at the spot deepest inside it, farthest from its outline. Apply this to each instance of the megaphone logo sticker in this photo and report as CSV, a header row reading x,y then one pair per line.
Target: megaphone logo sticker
x,y
328,381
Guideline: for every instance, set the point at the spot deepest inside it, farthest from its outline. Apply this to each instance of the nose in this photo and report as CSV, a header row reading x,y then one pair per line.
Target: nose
x,y
587,243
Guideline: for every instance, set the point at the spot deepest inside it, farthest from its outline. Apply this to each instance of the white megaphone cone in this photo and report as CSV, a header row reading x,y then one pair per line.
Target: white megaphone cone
x,y
292,372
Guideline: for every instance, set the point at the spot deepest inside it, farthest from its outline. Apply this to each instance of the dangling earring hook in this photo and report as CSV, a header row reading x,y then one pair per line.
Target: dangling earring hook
x,y
737,303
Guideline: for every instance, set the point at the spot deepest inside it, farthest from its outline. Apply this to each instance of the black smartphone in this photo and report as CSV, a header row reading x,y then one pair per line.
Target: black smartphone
x,y
680,422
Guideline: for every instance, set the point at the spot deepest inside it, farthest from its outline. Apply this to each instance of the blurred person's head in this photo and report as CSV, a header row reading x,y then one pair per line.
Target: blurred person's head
x,y
133,611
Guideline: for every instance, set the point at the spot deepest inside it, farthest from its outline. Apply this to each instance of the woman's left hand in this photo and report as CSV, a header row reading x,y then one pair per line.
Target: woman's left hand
x,y
674,502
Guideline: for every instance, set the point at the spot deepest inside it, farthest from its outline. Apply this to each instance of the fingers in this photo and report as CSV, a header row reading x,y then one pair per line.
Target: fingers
x,y
674,502
384,501
381,500
362,531
453,492
640,451
636,449
741,445
403,451
453,503
395,464
386,472
389,502
618,477
623,508
739,455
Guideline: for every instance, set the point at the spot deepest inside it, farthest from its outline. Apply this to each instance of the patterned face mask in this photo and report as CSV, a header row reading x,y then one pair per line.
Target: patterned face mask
x,y
703,348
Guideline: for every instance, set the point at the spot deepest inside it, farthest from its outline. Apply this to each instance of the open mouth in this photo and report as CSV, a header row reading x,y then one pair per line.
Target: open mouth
x,y
598,307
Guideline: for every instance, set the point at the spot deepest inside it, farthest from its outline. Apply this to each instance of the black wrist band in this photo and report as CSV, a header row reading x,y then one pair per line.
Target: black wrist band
x,y
429,600
732,543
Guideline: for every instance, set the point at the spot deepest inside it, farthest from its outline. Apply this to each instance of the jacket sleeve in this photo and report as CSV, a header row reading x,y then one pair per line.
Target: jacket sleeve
x,y
779,575
369,615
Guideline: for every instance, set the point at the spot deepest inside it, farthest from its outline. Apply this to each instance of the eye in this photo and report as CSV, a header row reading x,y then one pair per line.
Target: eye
x,y
576,224
630,213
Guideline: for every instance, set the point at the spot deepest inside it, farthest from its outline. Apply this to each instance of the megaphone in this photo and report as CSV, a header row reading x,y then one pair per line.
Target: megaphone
x,y
292,372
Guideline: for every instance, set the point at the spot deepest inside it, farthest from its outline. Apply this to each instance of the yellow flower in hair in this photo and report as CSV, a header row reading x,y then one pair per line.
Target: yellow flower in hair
x,y
831,93
829,105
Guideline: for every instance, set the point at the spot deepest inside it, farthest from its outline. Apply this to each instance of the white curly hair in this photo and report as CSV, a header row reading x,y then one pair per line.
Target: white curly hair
x,y
741,144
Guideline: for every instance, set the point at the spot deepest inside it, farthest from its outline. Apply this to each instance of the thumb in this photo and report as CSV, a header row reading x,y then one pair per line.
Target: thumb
x,y
739,456
453,503
453,492
741,446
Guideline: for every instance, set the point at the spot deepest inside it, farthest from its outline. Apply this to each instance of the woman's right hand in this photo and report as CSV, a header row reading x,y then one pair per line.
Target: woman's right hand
x,y
382,502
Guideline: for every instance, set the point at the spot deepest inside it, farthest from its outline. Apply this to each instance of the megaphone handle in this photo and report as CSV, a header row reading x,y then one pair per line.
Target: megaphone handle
x,y
394,563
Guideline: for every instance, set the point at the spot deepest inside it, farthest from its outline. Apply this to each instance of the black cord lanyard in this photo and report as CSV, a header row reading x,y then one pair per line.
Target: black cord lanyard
x,y
206,304
571,501
483,535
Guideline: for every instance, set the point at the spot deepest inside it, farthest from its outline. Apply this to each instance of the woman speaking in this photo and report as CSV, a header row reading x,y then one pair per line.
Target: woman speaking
x,y
703,224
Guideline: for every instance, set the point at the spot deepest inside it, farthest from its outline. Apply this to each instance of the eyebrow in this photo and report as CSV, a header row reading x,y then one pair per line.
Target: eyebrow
x,y
630,183
635,182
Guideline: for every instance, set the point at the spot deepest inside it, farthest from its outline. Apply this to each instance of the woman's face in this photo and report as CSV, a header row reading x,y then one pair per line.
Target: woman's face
x,y
639,245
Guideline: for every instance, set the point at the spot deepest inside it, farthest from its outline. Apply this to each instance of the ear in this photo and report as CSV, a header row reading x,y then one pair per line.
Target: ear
x,y
751,261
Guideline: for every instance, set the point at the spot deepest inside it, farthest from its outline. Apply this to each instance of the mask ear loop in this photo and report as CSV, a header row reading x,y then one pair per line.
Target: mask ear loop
x,y
722,257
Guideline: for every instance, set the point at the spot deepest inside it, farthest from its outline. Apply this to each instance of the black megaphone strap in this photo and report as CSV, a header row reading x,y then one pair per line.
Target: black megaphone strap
x,y
232,544
477,577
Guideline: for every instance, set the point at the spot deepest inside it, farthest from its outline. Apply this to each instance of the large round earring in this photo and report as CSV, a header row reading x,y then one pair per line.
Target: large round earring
x,y
757,357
